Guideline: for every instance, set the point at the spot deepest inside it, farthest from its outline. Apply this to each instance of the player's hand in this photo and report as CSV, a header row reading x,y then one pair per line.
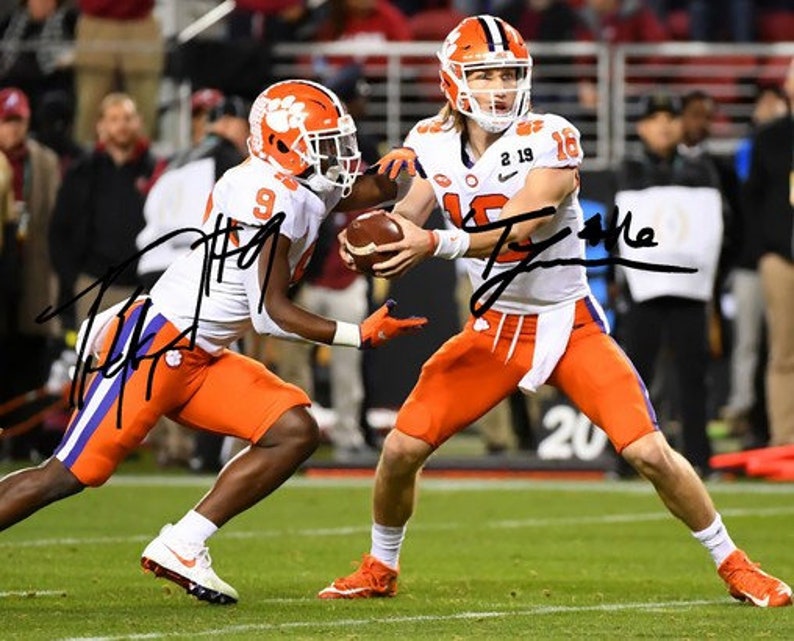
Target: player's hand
x,y
416,245
397,160
381,326
347,259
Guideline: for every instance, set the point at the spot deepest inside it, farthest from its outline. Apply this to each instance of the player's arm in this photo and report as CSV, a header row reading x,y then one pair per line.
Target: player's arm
x,y
381,183
269,291
543,191
543,187
274,281
369,190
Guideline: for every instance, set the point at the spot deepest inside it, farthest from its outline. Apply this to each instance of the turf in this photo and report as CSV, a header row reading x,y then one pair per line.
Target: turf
x,y
486,560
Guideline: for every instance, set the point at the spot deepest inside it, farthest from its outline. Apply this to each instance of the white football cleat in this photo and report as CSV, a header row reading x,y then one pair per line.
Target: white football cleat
x,y
189,566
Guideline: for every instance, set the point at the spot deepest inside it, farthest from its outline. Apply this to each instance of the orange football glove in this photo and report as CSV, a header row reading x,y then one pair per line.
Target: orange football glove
x,y
381,326
397,160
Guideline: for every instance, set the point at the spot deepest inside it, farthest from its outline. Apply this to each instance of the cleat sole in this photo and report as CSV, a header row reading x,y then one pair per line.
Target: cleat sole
x,y
193,589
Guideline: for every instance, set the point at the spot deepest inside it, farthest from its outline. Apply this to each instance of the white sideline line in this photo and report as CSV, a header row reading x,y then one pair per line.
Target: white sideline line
x,y
291,625
638,517
26,594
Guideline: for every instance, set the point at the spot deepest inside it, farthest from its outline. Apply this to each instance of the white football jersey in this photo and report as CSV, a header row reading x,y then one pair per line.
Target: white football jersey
x,y
484,187
223,297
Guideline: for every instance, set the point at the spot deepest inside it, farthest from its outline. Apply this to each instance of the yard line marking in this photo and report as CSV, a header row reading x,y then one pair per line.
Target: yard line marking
x,y
604,519
492,614
461,485
31,593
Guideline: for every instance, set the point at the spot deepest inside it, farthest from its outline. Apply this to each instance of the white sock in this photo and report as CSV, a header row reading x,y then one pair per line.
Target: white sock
x,y
194,528
386,543
716,540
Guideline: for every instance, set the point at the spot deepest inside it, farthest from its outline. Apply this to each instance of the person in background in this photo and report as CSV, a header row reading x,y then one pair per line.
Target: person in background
x,y
769,195
186,183
99,211
56,117
745,410
698,111
38,51
202,102
117,42
670,311
27,285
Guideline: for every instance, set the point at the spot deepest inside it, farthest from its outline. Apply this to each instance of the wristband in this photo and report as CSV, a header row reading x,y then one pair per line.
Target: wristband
x,y
451,243
347,334
433,242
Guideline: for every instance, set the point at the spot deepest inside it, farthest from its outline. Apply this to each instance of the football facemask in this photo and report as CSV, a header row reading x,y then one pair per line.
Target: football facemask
x,y
486,43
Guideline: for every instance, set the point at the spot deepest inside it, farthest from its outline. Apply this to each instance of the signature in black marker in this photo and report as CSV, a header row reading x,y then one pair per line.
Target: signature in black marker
x,y
219,247
592,232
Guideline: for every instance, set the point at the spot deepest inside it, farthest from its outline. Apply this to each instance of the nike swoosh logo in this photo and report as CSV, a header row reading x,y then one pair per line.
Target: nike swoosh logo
x,y
188,563
761,603
334,590
506,177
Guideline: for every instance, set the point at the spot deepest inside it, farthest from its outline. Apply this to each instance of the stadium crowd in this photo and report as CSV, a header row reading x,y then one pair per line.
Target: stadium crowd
x,y
84,186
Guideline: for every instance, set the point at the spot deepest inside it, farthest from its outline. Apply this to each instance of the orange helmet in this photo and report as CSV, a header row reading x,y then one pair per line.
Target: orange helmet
x,y
302,128
485,42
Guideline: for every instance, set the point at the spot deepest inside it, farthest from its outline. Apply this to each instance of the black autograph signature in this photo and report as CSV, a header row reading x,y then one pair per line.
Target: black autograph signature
x,y
593,233
219,247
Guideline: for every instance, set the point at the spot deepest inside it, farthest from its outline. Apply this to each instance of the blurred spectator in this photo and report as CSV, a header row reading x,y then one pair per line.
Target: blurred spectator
x,y
679,197
202,101
361,21
6,200
180,194
745,410
733,20
698,111
119,46
547,21
38,50
26,283
769,198
99,211
56,116
770,103
697,118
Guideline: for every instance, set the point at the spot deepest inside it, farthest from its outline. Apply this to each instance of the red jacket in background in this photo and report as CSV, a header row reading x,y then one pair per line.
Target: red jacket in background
x,y
117,9
385,22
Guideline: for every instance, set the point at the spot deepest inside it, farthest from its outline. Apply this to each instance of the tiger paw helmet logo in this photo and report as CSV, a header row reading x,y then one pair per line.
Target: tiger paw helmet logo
x,y
283,114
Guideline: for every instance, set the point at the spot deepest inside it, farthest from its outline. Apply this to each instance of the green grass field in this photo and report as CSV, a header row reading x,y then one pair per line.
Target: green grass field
x,y
483,560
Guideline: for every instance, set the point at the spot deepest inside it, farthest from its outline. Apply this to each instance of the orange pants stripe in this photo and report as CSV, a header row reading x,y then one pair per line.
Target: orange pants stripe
x,y
471,373
228,394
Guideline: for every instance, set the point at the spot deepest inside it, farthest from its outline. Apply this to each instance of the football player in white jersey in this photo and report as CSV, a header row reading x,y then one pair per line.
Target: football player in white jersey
x,y
508,180
167,353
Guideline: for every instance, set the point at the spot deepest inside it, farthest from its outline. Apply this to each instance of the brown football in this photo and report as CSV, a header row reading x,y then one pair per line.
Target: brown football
x,y
365,233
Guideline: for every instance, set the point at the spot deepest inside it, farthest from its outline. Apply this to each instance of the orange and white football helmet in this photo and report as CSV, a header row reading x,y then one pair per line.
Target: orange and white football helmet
x,y
303,129
485,42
